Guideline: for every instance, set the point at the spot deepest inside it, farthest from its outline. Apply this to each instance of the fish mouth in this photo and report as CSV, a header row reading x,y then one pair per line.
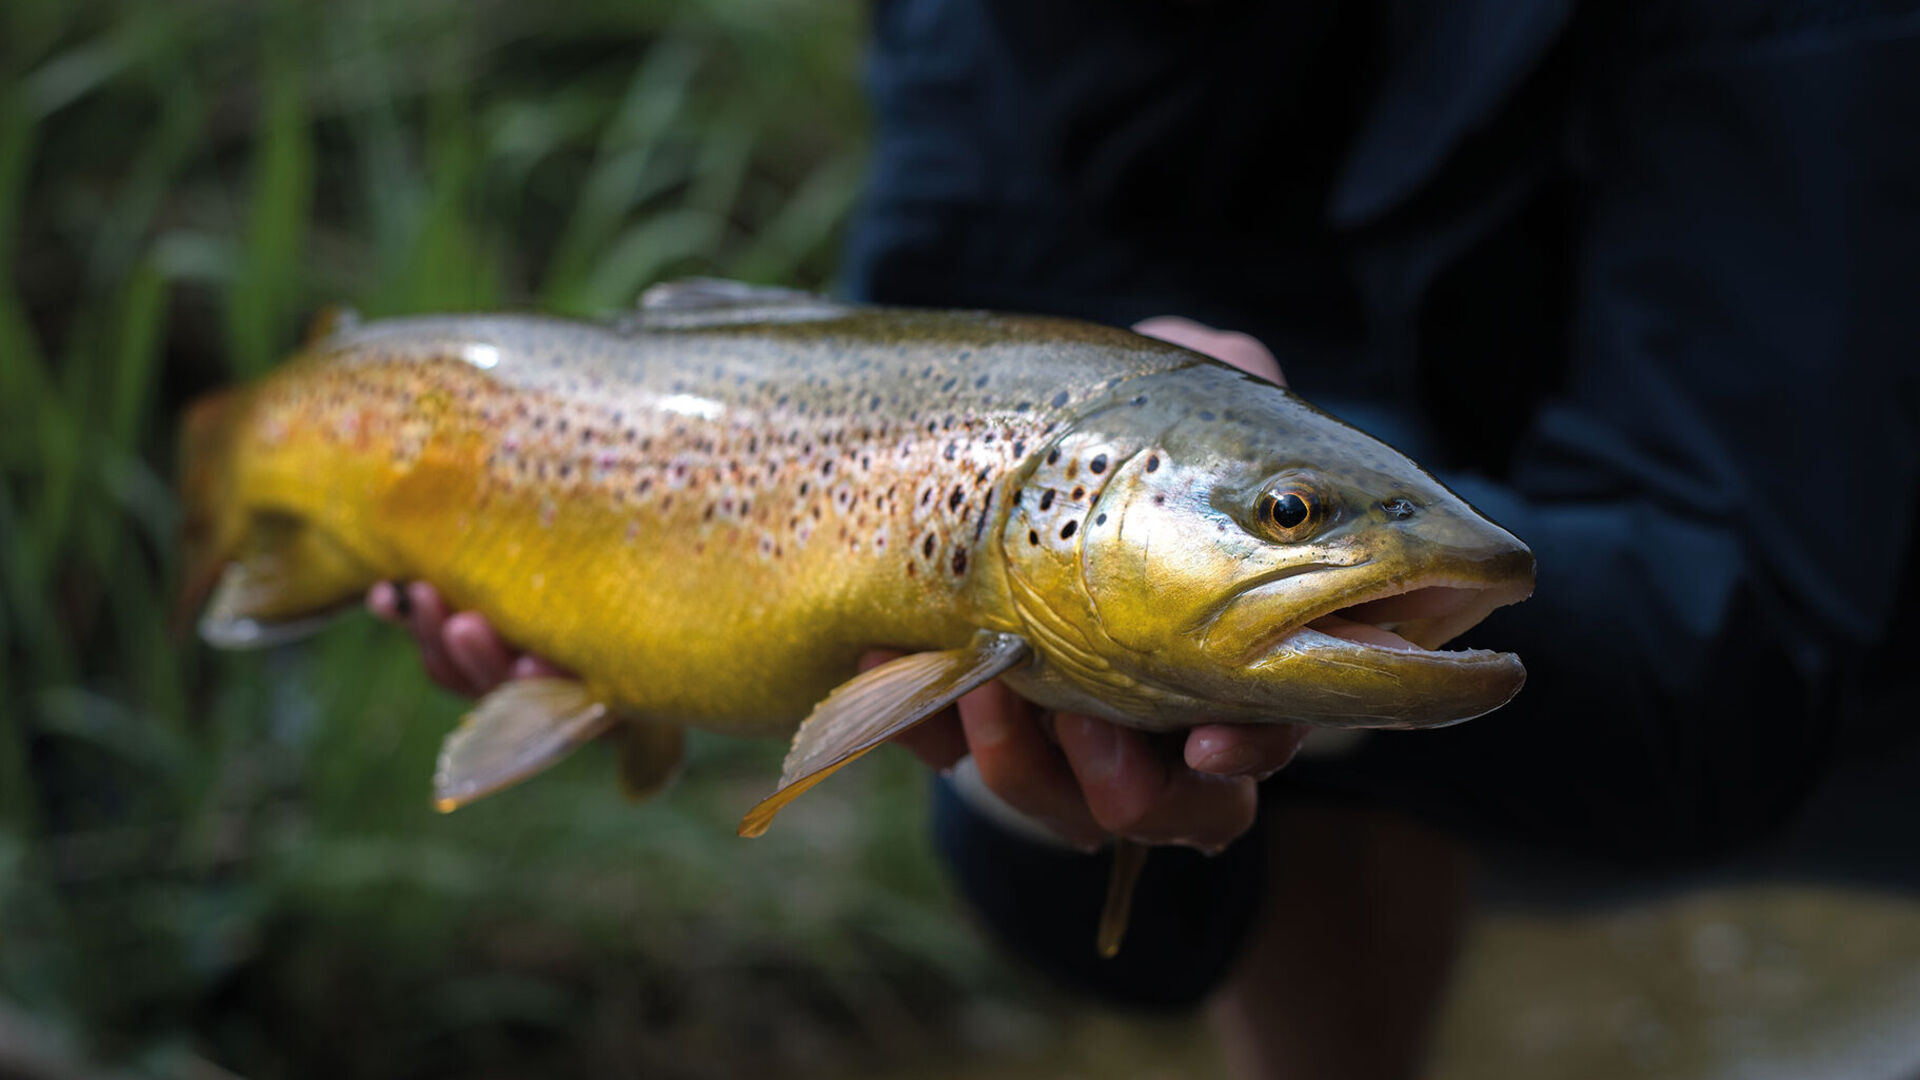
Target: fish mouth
x,y
1399,626
1373,656
1416,617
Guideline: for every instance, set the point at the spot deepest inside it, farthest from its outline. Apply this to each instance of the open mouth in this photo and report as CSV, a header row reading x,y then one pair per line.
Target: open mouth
x,y
1420,619
1407,618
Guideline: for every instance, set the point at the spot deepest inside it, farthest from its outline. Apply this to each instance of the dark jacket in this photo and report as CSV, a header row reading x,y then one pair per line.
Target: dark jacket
x,y
1642,282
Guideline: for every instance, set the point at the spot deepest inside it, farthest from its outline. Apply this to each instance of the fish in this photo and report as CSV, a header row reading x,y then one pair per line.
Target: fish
x,y
710,508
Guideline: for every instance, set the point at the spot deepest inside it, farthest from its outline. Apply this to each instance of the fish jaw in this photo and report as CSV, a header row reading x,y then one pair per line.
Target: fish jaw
x,y
1375,659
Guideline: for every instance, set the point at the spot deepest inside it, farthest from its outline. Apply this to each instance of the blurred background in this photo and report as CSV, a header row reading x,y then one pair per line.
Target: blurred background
x,y
227,865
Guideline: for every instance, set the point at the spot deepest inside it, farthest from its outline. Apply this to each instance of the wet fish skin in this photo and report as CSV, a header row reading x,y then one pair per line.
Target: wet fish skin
x,y
710,510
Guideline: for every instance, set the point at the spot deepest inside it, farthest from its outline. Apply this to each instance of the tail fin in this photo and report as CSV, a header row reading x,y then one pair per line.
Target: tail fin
x,y
211,522
263,577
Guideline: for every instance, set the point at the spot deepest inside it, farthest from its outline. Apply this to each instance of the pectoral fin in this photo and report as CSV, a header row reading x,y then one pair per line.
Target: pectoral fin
x,y
650,757
1129,858
518,730
877,705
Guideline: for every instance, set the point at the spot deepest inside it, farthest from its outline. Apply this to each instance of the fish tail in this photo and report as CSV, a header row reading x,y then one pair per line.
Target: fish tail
x,y
210,522
262,577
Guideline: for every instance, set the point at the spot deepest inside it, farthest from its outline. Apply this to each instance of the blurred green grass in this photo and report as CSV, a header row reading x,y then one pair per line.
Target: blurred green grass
x,y
231,859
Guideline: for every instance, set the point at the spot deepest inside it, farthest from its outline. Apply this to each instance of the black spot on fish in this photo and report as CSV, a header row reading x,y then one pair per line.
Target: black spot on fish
x,y
805,487
826,468
1020,448
1053,457
1033,538
950,450
1060,399
954,500
1101,520
1046,499
948,385
1079,493
981,522
926,546
1207,414
1141,400
959,560
980,382
1153,462
1098,464
1066,531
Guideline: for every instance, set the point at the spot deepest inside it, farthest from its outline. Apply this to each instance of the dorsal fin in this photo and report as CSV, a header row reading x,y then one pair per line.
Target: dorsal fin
x,y
696,302
704,293
329,321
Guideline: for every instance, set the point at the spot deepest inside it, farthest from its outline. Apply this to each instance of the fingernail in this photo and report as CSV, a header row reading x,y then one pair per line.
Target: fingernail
x,y
1230,761
1099,752
402,603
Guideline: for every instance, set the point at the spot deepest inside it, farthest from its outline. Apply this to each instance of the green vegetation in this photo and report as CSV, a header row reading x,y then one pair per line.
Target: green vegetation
x,y
231,859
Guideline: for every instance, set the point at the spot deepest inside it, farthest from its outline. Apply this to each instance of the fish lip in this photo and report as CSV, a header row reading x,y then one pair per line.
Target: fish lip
x,y
1300,636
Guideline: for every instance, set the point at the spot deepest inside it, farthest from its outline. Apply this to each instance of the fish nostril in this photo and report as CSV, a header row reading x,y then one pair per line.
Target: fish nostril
x,y
1398,507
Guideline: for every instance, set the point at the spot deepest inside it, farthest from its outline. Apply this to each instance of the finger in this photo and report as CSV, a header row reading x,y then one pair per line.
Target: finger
x,y
529,666
1018,763
387,600
939,740
477,651
1243,749
428,624
1134,792
1243,351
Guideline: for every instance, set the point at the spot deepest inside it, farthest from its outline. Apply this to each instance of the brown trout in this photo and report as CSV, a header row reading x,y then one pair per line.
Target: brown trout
x,y
711,509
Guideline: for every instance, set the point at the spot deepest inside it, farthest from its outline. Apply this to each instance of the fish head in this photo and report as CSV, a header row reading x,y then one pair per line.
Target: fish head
x,y
1232,553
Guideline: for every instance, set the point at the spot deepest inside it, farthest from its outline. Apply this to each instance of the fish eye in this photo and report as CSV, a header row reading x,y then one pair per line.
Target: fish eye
x,y
1289,511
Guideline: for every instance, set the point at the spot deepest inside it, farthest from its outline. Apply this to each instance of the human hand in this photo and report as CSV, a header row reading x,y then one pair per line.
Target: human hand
x,y
460,650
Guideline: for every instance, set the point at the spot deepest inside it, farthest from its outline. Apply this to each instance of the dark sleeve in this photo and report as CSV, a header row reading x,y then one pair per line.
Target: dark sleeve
x,y
1722,499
